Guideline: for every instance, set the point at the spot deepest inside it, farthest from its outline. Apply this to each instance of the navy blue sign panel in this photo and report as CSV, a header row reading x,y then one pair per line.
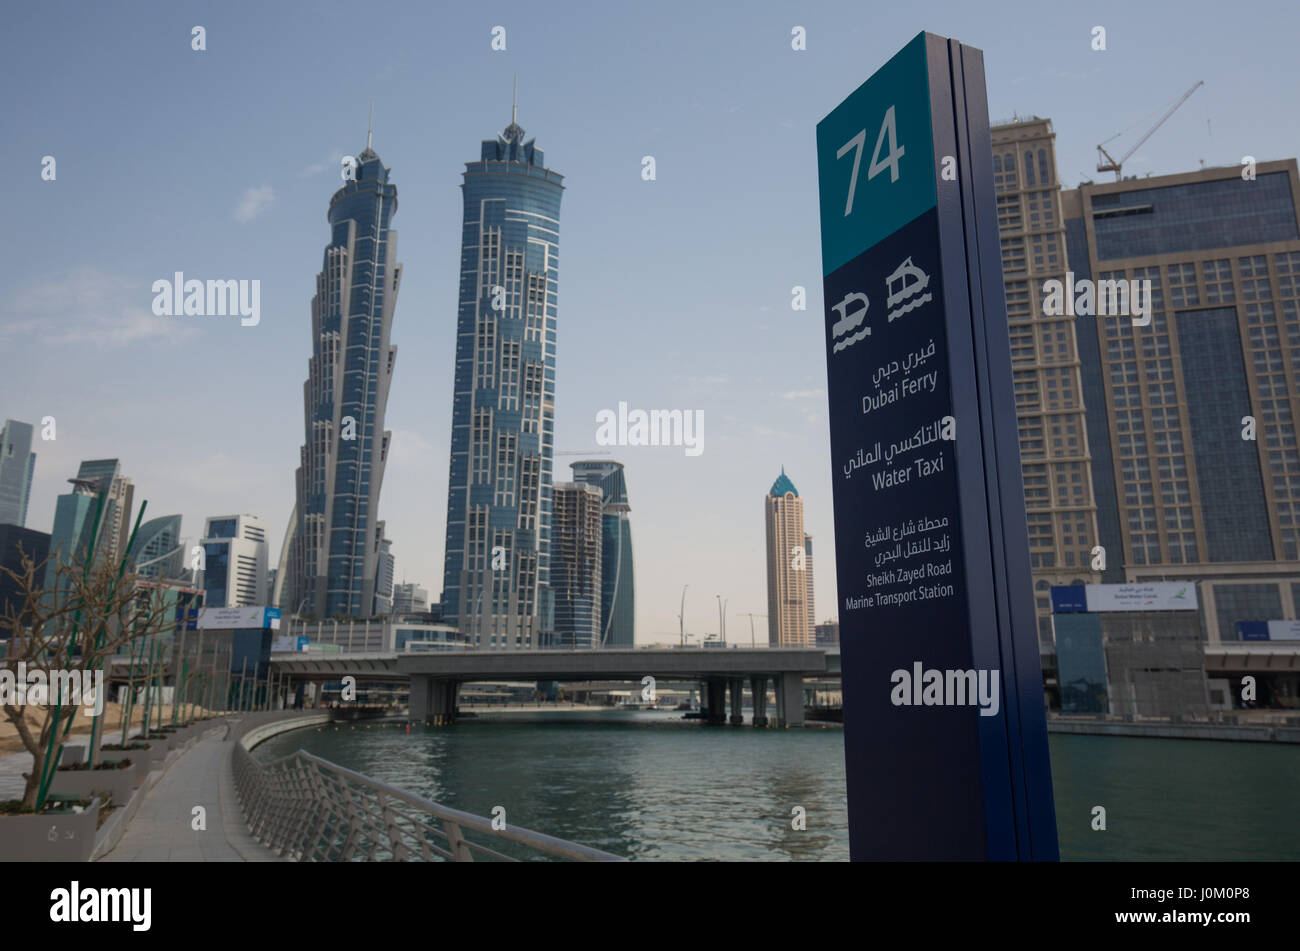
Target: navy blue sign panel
x,y
1252,630
945,732
1069,599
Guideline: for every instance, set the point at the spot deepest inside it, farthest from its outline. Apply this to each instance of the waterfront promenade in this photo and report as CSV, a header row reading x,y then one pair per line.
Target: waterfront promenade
x,y
191,808
157,825
162,830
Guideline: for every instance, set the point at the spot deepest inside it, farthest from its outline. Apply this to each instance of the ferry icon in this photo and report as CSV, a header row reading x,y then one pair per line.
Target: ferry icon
x,y
849,322
906,289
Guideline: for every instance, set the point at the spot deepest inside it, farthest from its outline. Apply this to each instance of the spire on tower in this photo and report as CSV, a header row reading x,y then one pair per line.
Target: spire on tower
x,y
513,133
368,154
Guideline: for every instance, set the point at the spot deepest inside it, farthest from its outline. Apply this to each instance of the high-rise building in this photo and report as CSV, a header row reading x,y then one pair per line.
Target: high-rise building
x,y
1192,416
16,544
790,610
808,577
234,562
384,579
617,592
576,564
1055,454
75,516
827,634
115,521
337,538
410,598
158,552
502,439
17,465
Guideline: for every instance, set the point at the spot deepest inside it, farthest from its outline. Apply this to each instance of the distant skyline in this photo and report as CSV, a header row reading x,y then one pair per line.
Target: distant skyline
x,y
673,294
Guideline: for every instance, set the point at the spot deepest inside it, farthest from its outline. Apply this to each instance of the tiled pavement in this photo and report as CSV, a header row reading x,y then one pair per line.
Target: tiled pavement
x,y
13,765
163,828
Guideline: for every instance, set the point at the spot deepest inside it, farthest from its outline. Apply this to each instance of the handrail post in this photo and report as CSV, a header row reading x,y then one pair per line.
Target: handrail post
x,y
455,838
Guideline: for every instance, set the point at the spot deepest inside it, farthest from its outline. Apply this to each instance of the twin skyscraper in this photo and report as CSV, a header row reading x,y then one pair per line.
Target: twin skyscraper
x,y
498,566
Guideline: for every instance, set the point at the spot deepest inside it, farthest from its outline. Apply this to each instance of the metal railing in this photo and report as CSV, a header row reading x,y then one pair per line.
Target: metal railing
x,y
308,809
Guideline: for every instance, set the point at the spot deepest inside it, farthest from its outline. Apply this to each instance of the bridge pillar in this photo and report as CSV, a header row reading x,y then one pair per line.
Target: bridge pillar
x,y
716,704
421,690
789,699
440,705
449,697
758,690
737,685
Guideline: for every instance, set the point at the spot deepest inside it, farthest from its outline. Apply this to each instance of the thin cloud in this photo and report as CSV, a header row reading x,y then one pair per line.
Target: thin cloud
x,y
253,203
332,161
803,394
88,307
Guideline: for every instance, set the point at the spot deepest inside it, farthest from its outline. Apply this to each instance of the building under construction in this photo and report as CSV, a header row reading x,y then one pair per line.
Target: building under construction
x,y
1132,664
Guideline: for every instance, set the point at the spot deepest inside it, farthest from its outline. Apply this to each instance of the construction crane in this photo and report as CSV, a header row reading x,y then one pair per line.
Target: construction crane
x,y
1107,164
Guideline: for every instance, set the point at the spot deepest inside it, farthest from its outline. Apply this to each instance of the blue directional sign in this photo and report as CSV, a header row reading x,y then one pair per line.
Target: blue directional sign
x,y
945,731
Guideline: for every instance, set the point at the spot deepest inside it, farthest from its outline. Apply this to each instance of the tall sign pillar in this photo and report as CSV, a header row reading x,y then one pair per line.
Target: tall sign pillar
x,y
945,728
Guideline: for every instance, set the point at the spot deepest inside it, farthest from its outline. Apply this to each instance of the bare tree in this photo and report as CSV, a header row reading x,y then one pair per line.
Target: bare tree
x,y
77,623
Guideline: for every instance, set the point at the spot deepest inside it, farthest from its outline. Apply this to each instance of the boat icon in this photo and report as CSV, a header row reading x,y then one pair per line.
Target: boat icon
x,y
849,322
906,289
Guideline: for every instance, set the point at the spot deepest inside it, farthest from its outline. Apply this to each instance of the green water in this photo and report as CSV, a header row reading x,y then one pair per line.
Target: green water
x,y
649,785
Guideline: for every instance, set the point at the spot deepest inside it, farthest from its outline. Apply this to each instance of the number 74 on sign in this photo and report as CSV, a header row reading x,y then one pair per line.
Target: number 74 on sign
x,y
888,130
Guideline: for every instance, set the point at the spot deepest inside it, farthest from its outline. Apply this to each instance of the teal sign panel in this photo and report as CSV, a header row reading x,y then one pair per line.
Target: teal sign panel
x,y
875,158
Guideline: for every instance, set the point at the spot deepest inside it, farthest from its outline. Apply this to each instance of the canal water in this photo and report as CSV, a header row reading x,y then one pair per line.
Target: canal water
x,y
651,786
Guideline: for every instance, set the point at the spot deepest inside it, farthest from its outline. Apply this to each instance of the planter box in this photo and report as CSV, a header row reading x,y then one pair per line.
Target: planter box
x,y
158,750
50,837
146,760
117,783
72,755
162,741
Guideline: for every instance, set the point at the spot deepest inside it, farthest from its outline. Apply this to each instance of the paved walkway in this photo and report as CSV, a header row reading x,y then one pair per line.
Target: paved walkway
x,y
162,829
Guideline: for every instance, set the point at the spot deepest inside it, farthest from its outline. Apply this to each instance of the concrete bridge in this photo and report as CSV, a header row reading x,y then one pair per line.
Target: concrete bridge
x,y
436,676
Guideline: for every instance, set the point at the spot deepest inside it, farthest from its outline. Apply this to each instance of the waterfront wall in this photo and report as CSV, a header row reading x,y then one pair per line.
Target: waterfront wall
x,y
262,726
1263,733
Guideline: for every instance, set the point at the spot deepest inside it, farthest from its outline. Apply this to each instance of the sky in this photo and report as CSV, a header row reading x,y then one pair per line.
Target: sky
x,y
673,294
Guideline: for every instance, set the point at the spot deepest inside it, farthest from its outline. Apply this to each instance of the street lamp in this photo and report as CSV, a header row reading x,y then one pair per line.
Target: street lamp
x,y
681,618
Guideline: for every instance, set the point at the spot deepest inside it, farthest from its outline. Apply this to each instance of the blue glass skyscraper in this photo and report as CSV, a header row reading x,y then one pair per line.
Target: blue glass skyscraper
x,y
617,596
157,552
17,464
75,517
337,536
496,572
